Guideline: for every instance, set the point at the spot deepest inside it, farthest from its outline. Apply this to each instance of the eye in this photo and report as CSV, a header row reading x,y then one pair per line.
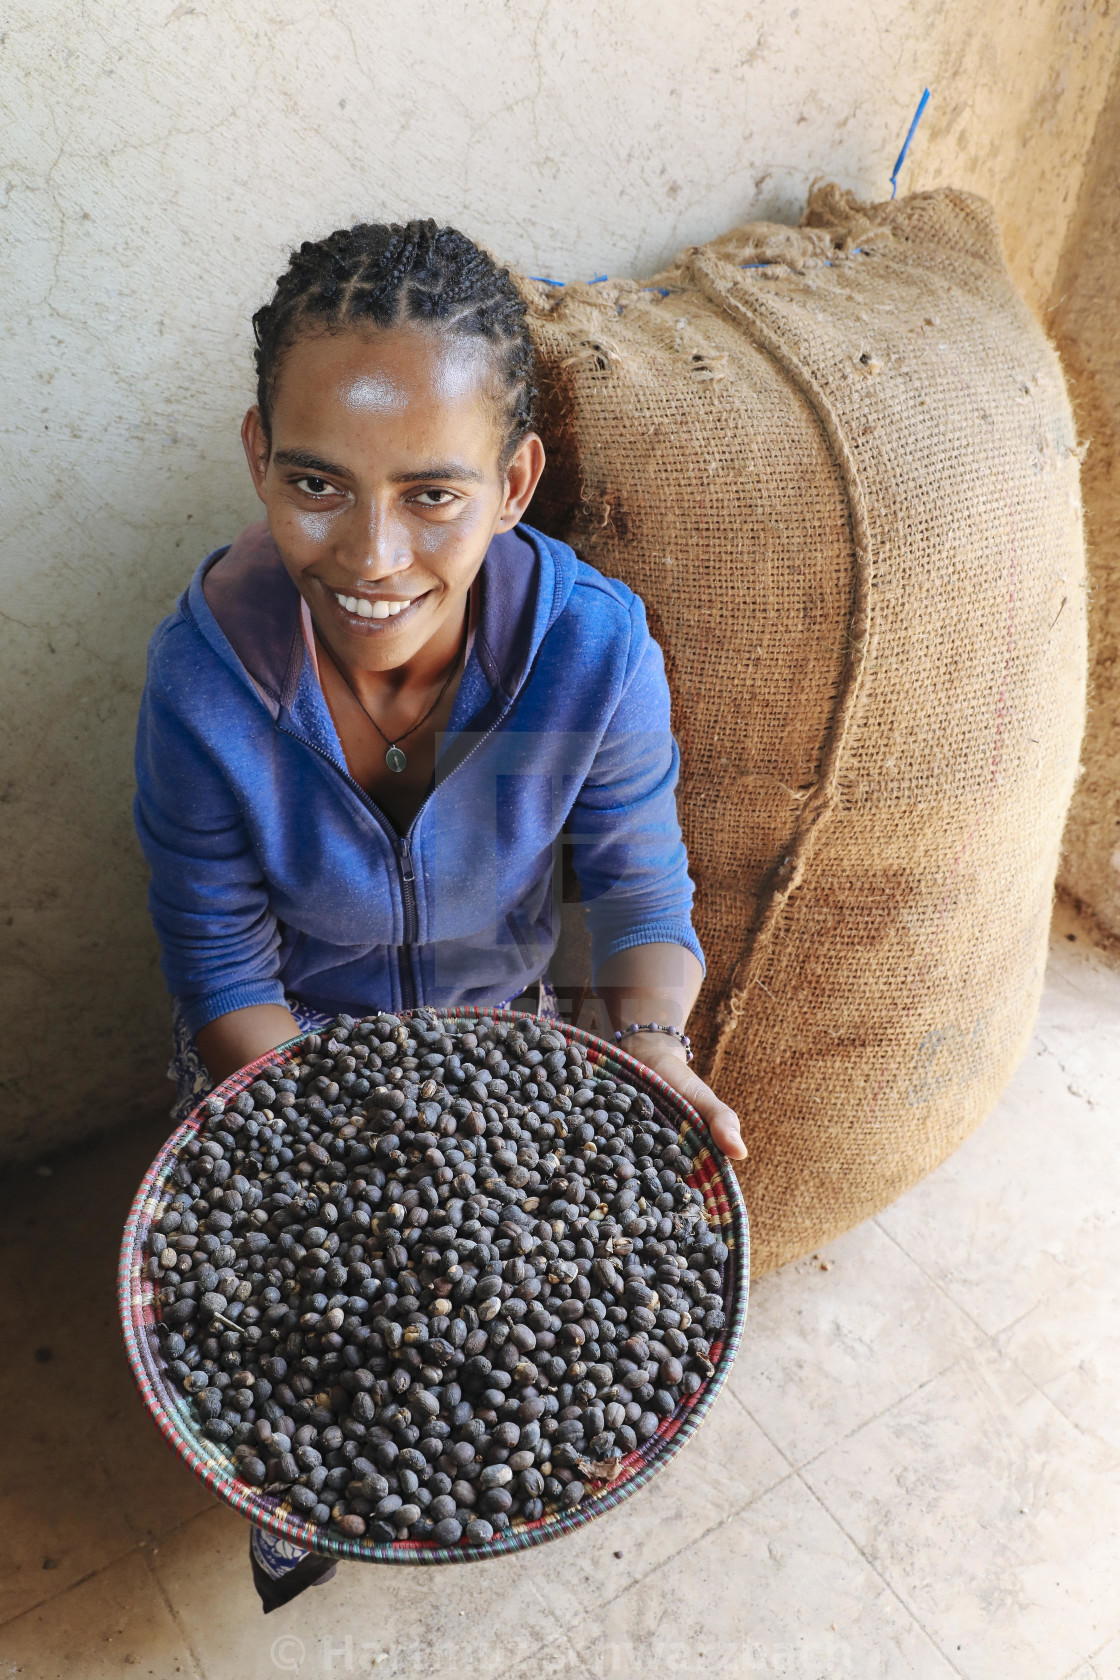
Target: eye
x,y
313,486
426,498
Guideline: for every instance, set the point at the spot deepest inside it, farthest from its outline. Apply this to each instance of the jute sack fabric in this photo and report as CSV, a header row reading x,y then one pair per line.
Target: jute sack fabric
x,y
838,464
1085,320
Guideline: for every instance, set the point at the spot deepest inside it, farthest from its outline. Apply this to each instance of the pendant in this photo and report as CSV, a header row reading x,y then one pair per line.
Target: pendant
x,y
396,759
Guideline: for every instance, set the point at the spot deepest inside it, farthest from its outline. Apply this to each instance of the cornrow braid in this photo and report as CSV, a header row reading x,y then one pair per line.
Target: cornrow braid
x,y
385,274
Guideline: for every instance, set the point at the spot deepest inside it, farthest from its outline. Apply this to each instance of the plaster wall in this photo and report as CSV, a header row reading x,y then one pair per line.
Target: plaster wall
x,y
1085,318
157,163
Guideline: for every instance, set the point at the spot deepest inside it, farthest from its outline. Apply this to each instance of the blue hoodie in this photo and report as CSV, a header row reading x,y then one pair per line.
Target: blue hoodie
x,y
273,872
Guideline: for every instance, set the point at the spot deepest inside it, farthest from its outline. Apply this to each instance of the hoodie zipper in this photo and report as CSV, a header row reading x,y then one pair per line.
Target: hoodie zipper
x,y
408,899
402,851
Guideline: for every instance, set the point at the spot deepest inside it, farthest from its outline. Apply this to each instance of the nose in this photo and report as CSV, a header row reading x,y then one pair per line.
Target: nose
x,y
381,548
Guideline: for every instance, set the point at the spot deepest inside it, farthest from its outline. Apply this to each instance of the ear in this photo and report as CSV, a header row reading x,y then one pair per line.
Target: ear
x,y
522,477
254,440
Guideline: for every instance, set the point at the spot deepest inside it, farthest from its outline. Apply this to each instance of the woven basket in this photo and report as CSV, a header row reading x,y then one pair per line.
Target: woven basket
x,y
171,1411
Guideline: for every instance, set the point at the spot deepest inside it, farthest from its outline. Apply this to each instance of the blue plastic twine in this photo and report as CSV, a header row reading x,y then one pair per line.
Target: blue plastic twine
x,y
910,132
545,281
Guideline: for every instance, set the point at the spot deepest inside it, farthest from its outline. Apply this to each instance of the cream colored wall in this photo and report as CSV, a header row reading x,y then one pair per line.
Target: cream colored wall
x,y
161,158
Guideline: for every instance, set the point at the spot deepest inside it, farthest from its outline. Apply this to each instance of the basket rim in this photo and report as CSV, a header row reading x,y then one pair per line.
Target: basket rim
x,y
211,1465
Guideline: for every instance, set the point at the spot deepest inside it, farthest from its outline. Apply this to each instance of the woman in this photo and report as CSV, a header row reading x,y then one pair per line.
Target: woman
x,y
370,719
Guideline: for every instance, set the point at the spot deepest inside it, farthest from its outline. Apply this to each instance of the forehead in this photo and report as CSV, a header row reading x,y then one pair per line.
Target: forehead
x,y
395,374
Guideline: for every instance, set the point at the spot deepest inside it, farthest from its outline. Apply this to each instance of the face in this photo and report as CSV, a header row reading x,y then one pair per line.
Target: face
x,y
384,484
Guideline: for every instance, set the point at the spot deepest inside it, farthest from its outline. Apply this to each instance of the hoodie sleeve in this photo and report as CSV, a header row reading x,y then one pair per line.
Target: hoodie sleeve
x,y
219,939
627,849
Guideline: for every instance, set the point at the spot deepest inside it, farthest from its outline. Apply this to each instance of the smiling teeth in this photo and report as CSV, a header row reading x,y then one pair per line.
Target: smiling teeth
x,y
362,607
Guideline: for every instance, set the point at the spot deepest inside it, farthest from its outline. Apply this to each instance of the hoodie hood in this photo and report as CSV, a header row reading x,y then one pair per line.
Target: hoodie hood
x,y
247,607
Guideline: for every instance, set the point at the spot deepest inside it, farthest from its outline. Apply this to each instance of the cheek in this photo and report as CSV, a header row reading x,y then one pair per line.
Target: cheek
x,y
312,527
458,538
436,539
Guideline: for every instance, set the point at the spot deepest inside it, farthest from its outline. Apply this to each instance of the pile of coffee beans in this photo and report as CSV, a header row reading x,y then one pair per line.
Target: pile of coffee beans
x,y
434,1276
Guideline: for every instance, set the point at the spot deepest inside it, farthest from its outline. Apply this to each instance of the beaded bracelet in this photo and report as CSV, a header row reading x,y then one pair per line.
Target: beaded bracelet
x,y
652,1026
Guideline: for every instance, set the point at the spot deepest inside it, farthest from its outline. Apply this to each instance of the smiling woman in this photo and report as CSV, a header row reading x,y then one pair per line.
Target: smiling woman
x,y
370,719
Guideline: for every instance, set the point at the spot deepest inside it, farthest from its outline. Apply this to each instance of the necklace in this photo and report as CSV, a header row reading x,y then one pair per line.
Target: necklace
x,y
394,757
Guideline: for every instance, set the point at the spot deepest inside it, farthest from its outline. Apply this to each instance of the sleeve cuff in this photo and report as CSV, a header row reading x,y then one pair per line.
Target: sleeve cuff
x,y
198,1012
674,931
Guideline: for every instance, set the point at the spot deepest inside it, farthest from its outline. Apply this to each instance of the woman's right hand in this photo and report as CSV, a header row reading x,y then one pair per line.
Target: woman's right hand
x,y
229,1041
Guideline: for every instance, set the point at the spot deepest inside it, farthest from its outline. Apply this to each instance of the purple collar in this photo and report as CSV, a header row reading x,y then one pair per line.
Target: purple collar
x,y
256,606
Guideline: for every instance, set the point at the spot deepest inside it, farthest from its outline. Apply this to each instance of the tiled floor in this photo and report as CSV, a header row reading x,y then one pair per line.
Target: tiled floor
x,y
915,1472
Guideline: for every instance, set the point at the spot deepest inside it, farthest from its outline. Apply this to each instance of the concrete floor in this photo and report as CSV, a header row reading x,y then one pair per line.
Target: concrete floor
x,y
915,1472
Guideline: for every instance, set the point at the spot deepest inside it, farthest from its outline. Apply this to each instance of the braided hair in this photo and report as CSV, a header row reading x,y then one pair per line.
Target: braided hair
x,y
386,274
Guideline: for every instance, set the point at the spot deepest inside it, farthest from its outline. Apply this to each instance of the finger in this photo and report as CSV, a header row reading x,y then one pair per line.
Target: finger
x,y
726,1134
722,1122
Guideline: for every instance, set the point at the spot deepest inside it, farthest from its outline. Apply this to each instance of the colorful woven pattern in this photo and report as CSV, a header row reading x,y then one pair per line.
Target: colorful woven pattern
x,y
213,1466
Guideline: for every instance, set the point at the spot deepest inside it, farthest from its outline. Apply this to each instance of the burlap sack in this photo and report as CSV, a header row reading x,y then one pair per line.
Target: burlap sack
x,y
1085,321
838,465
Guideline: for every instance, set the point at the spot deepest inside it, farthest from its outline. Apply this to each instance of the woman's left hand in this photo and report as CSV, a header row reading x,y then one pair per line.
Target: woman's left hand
x,y
670,1065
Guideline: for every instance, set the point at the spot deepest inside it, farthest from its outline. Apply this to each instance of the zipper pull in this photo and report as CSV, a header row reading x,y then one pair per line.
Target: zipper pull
x,y
406,862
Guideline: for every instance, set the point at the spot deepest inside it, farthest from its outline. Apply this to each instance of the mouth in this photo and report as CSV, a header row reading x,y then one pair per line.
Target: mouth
x,y
366,611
